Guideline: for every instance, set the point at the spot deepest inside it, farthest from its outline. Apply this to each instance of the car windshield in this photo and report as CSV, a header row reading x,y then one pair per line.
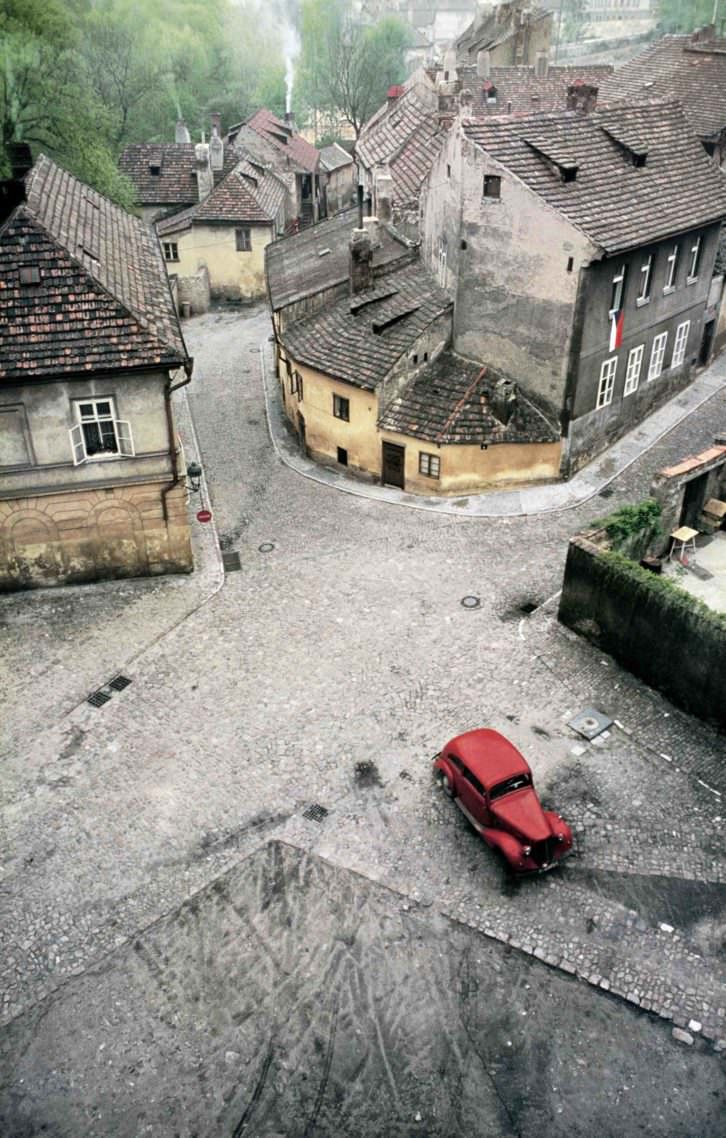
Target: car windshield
x,y
516,782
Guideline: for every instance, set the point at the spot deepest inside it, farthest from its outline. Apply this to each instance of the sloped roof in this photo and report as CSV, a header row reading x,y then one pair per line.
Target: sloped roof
x,y
283,138
360,338
493,26
103,301
406,136
520,91
317,258
334,157
676,67
450,403
176,183
237,199
617,204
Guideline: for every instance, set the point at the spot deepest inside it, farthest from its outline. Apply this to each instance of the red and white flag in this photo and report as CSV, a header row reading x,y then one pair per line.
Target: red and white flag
x,y
616,329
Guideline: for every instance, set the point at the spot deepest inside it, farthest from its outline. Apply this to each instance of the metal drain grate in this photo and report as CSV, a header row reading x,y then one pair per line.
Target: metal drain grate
x,y
118,683
470,602
315,812
590,723
231,562
98,698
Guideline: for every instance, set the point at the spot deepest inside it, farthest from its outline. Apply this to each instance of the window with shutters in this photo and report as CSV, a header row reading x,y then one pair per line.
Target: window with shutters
x,y
97,433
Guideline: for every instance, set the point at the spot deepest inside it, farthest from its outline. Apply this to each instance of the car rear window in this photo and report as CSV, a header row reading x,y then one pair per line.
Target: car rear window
x,y
516,782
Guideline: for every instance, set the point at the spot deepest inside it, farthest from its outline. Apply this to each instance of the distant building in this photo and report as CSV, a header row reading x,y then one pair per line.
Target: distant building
x,y
513,32
91,469
339,170
269,142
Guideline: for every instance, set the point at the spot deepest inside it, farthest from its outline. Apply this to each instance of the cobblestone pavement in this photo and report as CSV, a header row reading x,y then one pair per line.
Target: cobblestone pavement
x,y
342,641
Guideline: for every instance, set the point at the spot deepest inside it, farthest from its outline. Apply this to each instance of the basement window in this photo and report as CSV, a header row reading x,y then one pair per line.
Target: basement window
x,y
492,186
29,275
342,456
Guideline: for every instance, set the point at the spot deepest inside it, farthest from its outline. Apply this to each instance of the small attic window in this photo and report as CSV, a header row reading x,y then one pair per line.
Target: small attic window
x,y
29,275
492,186
154,169
569,173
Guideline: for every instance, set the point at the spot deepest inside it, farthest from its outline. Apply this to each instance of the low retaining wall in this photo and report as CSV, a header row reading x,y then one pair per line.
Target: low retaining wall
x,y
657,631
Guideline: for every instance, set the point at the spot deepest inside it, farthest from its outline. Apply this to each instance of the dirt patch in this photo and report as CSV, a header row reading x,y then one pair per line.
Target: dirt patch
x,y
365,774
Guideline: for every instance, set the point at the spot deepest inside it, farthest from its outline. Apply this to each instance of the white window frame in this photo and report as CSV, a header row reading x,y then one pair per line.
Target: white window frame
x,y
442,264
429,464
606,386
618,290
672,262
680,343
657,355
646,275
121,427
695,258
632,374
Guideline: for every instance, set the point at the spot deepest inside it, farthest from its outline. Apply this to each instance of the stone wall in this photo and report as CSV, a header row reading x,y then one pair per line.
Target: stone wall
x,y
89,535
654,629
194,291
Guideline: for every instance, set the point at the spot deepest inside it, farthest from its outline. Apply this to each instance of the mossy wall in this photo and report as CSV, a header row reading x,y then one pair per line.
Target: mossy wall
x,y
659,632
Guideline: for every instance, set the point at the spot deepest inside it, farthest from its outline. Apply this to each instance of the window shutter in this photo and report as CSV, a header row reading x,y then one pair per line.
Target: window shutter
x,y
78,447
125,438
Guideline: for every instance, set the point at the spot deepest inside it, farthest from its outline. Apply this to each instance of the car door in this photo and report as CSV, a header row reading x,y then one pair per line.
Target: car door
x,y
473,796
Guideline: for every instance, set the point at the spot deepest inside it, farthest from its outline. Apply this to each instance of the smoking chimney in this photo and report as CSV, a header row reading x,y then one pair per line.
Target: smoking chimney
x,y
181,134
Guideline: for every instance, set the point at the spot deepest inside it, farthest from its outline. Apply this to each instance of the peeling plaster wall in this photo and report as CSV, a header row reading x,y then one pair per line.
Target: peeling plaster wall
x,y
234,274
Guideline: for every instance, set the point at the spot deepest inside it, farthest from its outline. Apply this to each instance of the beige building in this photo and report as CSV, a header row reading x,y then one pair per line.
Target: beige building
x,y
227,233
91,470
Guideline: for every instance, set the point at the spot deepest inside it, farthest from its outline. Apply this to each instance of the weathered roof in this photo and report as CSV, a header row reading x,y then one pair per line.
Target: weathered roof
x,y
283,138
617,203
494,26
519,90
103,300
360,338
334,157
317,258
176,182
406,136
244,196
450,402
676,67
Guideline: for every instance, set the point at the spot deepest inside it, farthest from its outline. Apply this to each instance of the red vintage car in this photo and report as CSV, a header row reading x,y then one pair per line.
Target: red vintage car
x,y
491,783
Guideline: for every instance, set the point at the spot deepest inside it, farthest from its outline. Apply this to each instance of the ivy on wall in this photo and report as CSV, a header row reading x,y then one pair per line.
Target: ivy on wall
x,y
620,568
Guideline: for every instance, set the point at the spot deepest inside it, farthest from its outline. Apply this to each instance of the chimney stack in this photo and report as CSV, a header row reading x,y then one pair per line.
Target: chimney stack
x,y
394,94
216,146
483,64
182,133
581,97
383,195
503,400
361,261
205,178
541,65
370,224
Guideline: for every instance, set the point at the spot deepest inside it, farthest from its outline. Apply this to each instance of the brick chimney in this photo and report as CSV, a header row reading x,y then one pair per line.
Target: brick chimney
x,y
205,178
361,261
216,146
182,133
581,97
394,94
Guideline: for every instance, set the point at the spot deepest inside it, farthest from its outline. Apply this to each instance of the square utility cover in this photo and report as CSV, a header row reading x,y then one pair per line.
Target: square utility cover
x,y
590,723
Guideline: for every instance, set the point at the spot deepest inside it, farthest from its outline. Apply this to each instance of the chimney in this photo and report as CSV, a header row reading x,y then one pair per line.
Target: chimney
x,y
205,178
370,224
465,99
701,35
216,146
182,133
503,400
361,261
383,193
394,94
483,64
541,65
290,120
581,97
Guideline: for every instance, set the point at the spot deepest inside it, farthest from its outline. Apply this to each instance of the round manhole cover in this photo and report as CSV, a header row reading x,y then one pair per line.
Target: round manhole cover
x,y
470,602
266,547
589,723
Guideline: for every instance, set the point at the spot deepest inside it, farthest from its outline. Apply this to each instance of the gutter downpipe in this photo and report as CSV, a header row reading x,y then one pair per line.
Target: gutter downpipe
x,y
169,389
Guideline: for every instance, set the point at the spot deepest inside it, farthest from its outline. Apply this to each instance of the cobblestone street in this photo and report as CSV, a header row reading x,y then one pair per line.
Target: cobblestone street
x,y
328,671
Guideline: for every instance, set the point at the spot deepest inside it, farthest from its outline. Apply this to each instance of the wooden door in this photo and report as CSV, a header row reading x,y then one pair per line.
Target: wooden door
x,y
392,473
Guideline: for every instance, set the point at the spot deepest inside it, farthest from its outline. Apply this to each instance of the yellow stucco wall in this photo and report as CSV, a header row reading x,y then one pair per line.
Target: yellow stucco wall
x,y
463,468
231,273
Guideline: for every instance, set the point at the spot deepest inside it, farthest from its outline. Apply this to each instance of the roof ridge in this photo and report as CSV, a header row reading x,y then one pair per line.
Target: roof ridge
x,y
460,404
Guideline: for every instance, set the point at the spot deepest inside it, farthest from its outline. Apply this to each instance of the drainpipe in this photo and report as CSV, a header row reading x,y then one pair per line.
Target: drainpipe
x,y
169,389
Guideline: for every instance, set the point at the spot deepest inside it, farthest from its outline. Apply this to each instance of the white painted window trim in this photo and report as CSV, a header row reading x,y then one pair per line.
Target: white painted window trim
x,y
680,343
672,262
606,386
657,355
695,258
646,274
618,290
633,370
122,431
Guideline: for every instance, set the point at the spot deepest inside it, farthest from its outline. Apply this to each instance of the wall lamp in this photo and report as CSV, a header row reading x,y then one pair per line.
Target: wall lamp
x,y
194,474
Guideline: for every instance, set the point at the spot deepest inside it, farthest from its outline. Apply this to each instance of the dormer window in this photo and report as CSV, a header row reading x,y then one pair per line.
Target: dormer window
x,y
695,258
29,275
492,95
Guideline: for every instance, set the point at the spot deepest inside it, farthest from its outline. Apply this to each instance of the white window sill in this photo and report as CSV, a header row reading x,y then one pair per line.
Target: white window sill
x,y
691,280
668,290
642,301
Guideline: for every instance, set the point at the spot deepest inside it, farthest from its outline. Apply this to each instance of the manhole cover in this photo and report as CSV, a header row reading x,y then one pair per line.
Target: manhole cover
x,y
470,602
266,547
98,698
315,812
118,683
231,562
590,723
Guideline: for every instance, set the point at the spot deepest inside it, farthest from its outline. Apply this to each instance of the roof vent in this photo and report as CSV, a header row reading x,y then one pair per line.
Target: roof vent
x,y
154,169
633,149
373,298
563,166
381,325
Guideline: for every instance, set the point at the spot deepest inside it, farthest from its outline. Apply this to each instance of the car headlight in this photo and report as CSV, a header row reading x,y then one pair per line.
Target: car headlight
x,y
526,850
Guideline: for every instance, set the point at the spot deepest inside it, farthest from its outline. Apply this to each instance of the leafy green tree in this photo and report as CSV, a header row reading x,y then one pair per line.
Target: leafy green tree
x,y
687,15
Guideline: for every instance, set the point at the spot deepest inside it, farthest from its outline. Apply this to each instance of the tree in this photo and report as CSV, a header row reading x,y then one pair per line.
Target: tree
x,y
687,15
346,67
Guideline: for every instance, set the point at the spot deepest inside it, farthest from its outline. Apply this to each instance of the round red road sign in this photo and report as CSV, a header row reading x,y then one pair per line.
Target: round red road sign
x,y
204,515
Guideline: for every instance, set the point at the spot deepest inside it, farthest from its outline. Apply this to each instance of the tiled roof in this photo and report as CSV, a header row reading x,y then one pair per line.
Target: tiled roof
x,y
617,204
317,258
334,157
520,91
284,139
103,301
451,403
676,68
407,137
360,338
494,26
176,183
238,198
